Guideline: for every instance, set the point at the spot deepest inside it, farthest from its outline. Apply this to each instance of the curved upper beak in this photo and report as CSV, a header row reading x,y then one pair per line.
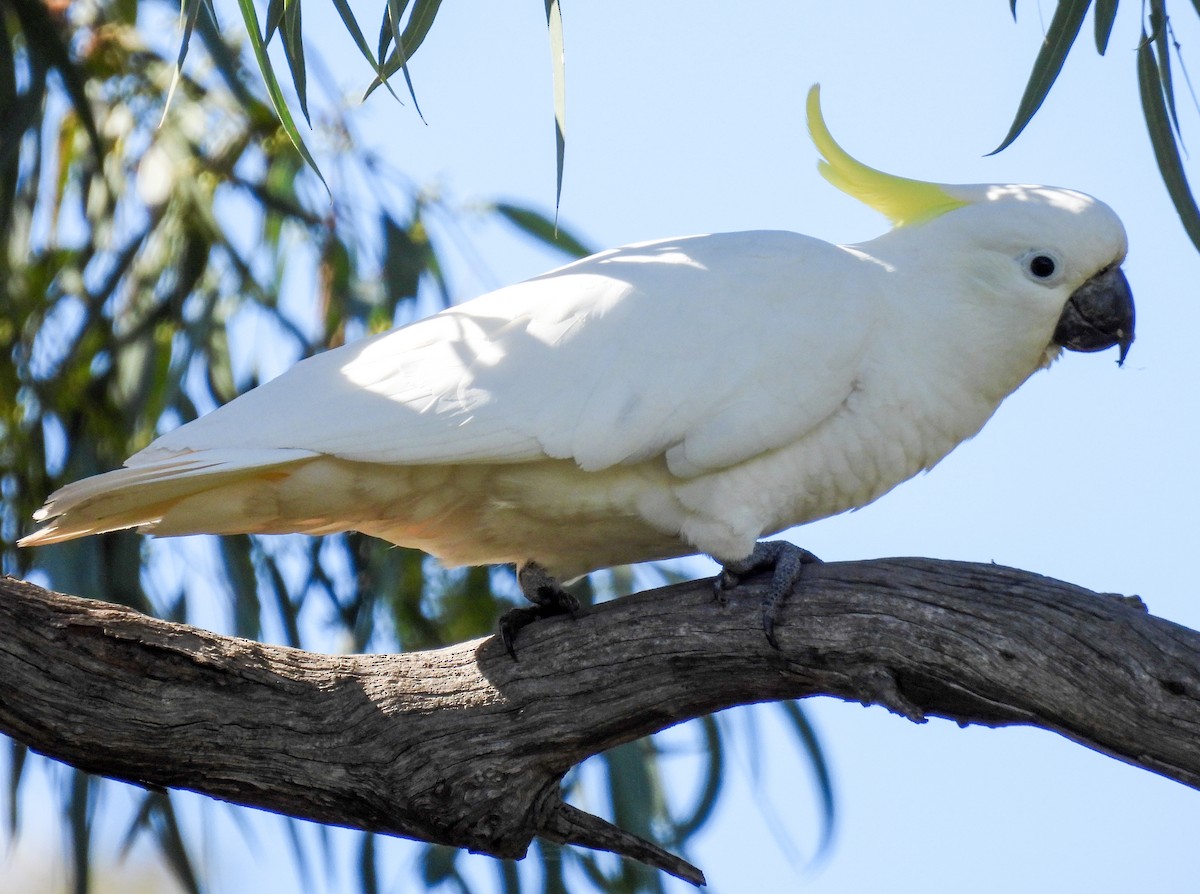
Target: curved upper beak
x,y
1098,315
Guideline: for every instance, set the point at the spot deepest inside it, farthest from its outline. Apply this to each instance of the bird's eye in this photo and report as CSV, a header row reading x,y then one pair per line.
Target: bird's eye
x,y
1042,266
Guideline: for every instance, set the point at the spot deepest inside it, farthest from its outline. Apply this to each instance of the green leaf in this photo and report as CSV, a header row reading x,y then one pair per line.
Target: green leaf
x,y
227,62
170,841
293,50
1163,140
558,73
1064,28
278,102
287,609
393,11
551,856
368,869
355,32
238,565
540,227
16,766
389,31
714,776
811,746
419,23
189,12
437,864
1105,15
510,878
404,260
1159,33
79,826
302,855
636,794
275,9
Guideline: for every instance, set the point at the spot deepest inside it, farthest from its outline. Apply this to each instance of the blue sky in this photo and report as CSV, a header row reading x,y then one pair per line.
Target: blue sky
x,y
688,117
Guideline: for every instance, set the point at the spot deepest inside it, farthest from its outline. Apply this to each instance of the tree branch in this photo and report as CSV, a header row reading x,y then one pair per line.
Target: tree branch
x,y
465,747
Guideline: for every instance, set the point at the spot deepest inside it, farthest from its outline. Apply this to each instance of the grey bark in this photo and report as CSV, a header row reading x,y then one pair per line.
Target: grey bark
x,y
465,747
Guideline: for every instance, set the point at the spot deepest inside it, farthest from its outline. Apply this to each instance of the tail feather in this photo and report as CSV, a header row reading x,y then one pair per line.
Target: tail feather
x,y
144,494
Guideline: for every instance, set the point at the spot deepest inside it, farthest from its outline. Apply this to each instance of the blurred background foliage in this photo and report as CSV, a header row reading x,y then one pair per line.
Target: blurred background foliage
x,y
162,210
169,240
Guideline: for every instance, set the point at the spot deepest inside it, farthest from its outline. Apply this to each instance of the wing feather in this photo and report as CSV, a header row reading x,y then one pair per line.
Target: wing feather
x,y
707,350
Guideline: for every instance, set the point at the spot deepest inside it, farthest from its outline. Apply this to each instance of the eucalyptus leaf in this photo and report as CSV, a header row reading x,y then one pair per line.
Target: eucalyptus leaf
x,y
239,568
275,10
810,746
390,32
278,102
437,864
189,13
1163,140
558,74
360,41
137,825
287,610
1160,34
368,868
1064,28
293,50
301,857
79,826
510,879
712,784
393,11
552,863
638,800
1104,17
414,34
538,226
404,260
170,842
17,753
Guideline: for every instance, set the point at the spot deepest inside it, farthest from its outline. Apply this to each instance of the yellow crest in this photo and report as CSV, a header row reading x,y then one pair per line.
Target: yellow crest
x,y
901,200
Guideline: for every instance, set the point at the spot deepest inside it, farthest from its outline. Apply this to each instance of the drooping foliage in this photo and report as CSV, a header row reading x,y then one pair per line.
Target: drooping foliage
x,y
1158,61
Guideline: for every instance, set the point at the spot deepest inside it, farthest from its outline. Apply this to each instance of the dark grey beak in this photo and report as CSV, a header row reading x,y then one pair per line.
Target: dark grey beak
x,y
1099,315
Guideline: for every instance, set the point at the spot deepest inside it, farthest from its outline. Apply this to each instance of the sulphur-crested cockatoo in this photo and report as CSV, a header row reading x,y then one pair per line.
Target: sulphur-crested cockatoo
x,y
666,398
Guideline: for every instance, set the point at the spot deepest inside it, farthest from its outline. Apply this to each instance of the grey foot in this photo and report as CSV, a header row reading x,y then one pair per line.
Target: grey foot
x,y
548,597
787,561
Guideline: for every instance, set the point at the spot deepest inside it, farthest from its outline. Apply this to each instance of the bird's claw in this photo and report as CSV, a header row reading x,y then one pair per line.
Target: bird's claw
x,y
724,581
513,620
549,600
787,562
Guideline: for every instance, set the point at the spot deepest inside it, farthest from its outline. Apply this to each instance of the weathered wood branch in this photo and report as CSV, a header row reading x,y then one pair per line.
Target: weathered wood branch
x,y
466,747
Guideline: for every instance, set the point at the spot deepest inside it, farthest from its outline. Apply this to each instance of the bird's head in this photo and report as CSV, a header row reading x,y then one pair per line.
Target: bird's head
x,y
1054,255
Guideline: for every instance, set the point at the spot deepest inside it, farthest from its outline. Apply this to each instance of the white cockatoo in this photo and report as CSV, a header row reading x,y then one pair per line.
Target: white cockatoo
x,y
683,396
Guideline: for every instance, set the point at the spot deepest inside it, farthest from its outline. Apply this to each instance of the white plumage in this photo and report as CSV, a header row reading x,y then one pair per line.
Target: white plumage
x,y
679,396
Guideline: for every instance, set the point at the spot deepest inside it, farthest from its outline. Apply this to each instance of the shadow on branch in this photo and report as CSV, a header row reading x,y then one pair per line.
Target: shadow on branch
x,y
465,747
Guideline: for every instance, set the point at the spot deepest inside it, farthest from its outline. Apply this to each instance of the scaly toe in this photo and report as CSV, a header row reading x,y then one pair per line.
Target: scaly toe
x,y
787,562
